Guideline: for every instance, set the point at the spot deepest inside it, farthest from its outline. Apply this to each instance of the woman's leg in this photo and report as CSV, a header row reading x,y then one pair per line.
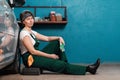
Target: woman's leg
x,y
54,48
61,66
58,66
55,65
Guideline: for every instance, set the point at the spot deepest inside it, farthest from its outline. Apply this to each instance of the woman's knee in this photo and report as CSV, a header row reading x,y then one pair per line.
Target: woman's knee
x,y
55,42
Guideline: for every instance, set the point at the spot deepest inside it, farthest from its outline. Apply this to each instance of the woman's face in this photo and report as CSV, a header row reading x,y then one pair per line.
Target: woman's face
x,y
29,21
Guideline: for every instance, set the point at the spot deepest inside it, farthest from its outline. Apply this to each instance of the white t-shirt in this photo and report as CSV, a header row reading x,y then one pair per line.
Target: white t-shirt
x,y
24,33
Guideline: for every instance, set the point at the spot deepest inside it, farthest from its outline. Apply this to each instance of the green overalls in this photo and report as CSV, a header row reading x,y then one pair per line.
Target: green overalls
x,y
56,65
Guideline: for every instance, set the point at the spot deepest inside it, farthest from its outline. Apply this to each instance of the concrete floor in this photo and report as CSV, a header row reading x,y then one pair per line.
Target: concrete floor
x,y
105,72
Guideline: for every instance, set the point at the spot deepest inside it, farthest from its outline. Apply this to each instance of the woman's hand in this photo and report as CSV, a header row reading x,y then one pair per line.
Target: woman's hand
x,y
54,56
61,40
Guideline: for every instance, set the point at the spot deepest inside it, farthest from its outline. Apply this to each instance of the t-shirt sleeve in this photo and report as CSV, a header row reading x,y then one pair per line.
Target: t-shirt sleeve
x,y
34,32
23,34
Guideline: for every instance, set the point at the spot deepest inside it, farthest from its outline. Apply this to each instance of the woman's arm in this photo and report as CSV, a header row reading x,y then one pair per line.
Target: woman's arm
x,y
28,44
50,38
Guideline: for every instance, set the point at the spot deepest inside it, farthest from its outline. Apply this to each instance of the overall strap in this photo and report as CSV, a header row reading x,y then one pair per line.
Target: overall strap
x,y
37,42
34,37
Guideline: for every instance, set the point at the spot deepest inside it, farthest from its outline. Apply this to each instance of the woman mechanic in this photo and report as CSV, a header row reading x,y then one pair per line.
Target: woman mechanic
x,y
50,57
